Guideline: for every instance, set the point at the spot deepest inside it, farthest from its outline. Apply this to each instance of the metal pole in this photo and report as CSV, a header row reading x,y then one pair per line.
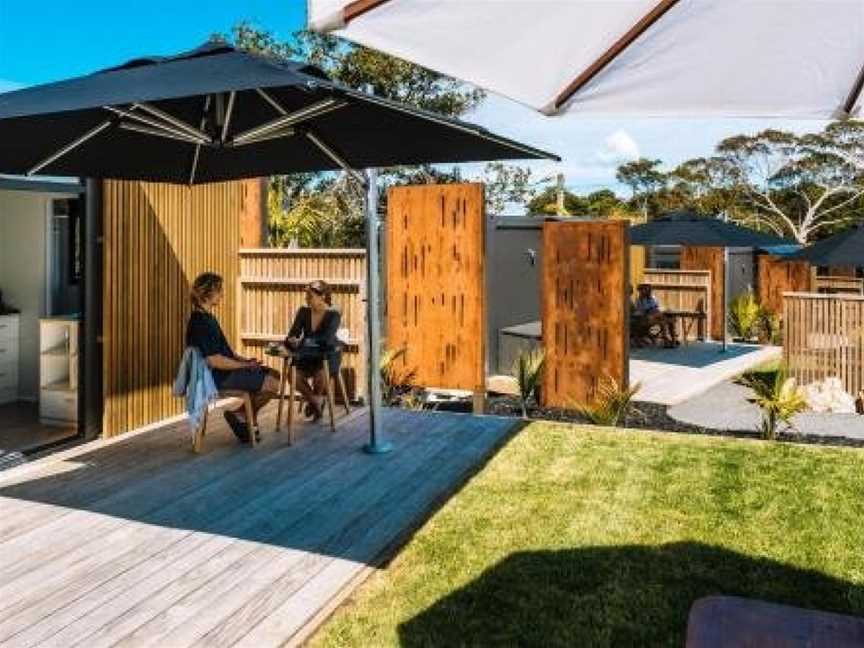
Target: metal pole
x,y
725,295
377,444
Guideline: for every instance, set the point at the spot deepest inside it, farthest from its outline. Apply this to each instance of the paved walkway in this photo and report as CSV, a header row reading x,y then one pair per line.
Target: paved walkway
x,y
725,408
672,376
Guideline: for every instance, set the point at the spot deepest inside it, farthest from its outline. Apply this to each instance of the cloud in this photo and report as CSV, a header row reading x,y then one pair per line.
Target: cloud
x,y
620,147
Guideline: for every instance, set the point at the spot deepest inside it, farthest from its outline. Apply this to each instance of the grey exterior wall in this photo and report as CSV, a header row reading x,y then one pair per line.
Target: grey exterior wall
x,y
514,255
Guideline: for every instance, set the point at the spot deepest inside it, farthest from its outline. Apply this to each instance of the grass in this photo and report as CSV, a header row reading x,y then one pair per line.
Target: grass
x,y
597,537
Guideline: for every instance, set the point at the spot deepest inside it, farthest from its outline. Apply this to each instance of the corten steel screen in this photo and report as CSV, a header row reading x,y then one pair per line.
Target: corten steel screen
x,y
585,313
436,297
777,276
711,259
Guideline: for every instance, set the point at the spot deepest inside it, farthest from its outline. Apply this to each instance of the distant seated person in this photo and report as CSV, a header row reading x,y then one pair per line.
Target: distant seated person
x,y
646,310
313,336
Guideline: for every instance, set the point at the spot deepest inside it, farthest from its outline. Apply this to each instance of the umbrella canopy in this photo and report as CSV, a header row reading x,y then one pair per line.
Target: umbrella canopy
x,y
218,113
760,58
843,249
686,228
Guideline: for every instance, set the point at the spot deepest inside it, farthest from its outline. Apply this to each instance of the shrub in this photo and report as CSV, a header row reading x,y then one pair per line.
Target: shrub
x,y
745,315
396,381
779,398
528,369
612,405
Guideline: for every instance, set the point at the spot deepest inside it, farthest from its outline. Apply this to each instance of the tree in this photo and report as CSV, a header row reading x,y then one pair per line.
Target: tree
x,y
546,202
644,178
798,187
321,209
507,184
711,185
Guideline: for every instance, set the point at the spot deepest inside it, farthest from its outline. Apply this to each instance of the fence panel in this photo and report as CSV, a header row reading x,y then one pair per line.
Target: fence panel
x,y
683,290
436,283
711,259
840,285
271,288
585,318
824,337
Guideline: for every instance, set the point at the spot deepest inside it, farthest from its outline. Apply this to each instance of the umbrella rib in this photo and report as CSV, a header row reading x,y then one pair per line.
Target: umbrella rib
x,y
174,121
155,124
158,132
271,135
336,157
613,52
309,112
852,99
198,147
270,100
93,132
228,112
357,8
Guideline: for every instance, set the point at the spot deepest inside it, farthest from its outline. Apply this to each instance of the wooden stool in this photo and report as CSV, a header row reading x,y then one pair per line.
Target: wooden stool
x,y
289,374
251,423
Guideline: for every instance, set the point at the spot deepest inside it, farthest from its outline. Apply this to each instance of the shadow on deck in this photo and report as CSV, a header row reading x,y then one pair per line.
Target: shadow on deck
x,y
141,541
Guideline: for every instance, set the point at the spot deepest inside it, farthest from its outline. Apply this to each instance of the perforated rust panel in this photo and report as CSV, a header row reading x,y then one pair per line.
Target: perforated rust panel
x,y
585,317
436,290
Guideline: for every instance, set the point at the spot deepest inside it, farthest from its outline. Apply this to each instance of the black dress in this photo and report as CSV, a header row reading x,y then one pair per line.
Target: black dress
x,y
204,333
316,344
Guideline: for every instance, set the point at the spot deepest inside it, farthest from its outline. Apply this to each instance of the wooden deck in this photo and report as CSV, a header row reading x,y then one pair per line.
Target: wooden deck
x,y
137,542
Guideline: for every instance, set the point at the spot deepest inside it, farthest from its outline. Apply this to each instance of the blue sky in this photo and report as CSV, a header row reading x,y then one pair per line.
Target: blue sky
x,y
41,42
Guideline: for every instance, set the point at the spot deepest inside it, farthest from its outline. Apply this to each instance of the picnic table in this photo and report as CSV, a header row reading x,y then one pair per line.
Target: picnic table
x,y
684,321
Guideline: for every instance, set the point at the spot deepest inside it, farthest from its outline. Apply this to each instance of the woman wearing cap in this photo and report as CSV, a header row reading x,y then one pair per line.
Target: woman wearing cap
x,y
313,335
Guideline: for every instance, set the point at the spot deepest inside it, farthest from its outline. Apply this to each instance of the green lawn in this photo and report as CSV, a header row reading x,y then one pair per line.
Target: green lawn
x,y
585,536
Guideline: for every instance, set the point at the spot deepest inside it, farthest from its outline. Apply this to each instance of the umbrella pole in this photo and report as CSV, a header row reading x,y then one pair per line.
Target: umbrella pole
x,y
377,444
725,296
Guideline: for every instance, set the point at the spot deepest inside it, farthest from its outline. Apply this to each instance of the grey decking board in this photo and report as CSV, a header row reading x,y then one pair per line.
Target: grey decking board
x,y
456,444
317,528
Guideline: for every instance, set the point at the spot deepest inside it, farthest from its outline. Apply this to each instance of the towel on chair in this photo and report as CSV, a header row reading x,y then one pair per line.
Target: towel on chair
x,y
194,381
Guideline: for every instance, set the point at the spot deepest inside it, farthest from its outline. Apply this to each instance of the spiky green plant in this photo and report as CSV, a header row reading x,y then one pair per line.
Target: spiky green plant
x,y
528,370
745,314
611,406
778,396
396,381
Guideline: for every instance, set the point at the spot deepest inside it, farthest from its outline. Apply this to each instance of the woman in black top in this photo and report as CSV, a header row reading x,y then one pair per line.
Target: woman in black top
x,y
313,335
230,371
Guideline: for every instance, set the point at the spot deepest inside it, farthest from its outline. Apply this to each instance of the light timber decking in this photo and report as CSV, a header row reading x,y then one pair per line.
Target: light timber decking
x,y
137,542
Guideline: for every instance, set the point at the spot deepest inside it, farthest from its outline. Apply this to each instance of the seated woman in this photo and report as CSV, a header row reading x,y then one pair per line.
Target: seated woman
x,y
230,371
647,308
313,334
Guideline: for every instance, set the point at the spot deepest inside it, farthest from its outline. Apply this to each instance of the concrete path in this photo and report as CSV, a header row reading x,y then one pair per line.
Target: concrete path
x,y
672,376
725,407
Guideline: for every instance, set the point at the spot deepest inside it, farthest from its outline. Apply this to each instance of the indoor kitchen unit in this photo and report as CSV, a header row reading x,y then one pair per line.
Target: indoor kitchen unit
x,y
41,288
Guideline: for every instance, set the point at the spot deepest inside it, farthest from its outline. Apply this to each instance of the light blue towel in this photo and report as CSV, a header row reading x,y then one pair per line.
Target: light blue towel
x,y
195,382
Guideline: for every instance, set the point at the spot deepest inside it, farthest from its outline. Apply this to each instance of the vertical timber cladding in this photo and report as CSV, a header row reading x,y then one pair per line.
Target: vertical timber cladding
x,y
777,276
436,289
711,259
158,238
585,315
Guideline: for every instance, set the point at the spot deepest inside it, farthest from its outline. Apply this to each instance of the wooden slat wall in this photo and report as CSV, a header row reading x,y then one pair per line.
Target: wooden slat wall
x,y
158,238
436,292
777,276
684,290
824,337
708,258
834,284
638,261
585,315
272,288
253,223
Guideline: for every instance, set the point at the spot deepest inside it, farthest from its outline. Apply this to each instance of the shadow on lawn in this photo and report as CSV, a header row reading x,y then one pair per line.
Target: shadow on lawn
x,y
626,595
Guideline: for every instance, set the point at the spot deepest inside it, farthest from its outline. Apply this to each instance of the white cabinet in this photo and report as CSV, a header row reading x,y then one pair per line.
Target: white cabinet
x,y
8,359
58,371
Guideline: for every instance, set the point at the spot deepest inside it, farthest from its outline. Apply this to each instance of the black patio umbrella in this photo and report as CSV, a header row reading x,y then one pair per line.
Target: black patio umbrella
x,y
693,230
218,113
843,249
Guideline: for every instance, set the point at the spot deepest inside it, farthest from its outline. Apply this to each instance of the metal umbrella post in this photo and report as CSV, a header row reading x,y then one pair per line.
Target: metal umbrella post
x,y
377,444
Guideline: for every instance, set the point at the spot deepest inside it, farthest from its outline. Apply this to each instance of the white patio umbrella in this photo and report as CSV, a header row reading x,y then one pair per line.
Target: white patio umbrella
x,y
799,59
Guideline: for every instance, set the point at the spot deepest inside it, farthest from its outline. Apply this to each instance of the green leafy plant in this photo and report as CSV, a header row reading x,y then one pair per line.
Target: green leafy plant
x,y
612,405
528,370
778,396
770,329
745,314
397,381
